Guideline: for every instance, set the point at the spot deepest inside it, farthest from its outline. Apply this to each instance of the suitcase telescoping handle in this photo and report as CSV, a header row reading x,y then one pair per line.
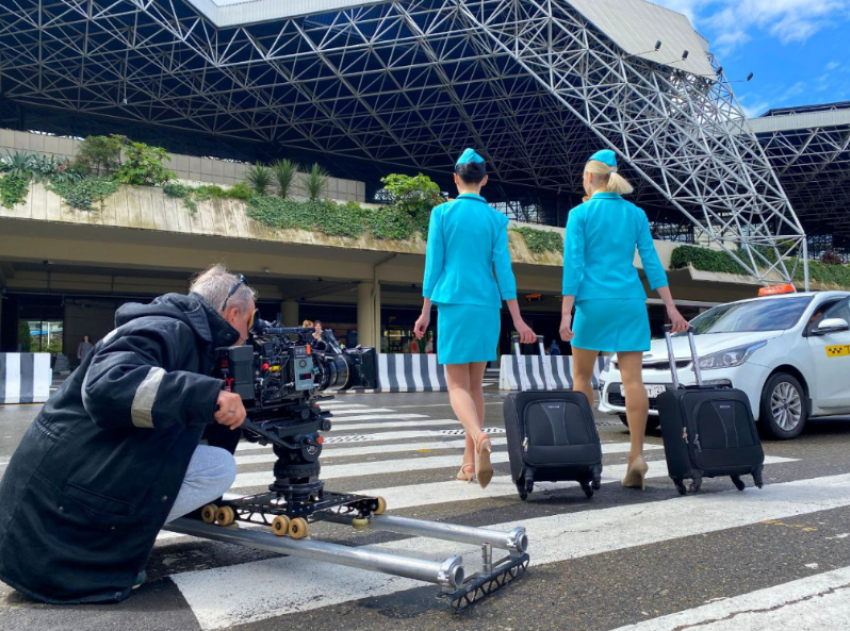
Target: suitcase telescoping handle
x,y
523,375
692,343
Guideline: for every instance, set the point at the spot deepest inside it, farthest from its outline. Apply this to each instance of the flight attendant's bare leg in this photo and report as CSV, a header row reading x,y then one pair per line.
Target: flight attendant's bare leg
x,y
637,408
583,363
466,396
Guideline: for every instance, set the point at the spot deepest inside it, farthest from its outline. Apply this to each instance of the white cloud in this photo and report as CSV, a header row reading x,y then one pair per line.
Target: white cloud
x,y
733,20
832,65
755,110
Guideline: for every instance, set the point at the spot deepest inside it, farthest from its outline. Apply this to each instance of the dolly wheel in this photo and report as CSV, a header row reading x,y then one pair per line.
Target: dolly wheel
x,y
225,516
298,528
208,513
280,525
382,506
360,524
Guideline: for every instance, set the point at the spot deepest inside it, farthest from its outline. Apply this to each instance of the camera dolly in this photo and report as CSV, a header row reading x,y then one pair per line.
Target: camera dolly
x,y
288,509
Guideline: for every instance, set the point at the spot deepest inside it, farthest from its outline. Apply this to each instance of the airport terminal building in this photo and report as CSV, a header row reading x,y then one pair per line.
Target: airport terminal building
x,y
368,88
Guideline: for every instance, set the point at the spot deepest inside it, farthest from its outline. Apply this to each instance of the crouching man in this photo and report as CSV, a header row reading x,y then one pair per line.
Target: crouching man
x,y
114,454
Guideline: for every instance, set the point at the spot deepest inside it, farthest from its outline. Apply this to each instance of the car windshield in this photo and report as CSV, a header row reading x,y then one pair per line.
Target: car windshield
x,y
752,316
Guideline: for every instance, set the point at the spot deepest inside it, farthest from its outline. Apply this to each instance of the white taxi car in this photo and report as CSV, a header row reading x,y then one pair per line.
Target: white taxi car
x,y
790,353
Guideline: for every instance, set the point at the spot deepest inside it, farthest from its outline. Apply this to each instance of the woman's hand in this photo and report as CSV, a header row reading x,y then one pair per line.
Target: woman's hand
x,y
421,325
526,335
566,330
678,323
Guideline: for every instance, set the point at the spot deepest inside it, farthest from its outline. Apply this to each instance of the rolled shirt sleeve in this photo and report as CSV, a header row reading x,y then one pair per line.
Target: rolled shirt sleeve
x,y
502,262
652,267
574,244
435,253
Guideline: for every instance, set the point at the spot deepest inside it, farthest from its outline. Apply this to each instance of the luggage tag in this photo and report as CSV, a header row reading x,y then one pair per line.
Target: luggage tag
x,y
525,444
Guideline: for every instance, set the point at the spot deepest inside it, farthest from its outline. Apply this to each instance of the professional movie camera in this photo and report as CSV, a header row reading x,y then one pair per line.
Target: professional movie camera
x,y
281,374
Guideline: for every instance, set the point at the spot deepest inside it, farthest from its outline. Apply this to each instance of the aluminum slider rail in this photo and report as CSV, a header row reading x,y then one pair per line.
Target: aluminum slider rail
x,y
448,574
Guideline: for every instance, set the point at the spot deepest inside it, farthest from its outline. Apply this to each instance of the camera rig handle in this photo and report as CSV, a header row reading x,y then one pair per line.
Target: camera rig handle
x,y
259,431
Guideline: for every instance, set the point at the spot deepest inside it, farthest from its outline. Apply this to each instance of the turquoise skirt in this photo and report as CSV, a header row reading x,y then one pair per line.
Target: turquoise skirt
x,y
467,333
612,326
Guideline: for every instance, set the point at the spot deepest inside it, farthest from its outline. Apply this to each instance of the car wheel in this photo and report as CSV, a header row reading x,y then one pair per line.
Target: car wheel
x,y
652,423
783,407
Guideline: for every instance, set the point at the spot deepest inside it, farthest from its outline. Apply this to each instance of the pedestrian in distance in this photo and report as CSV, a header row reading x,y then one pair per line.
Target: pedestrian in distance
x,y
85,347
467,240
600,280
554,349
115,453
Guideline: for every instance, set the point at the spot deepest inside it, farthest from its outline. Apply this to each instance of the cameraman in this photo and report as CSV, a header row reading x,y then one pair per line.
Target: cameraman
x,y
115,453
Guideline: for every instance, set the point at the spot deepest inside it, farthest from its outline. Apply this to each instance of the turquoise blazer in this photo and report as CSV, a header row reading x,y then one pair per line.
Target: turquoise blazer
x,y
599,251
467,240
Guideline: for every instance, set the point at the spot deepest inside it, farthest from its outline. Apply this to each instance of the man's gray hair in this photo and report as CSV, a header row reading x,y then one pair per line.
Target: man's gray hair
x,y
214,284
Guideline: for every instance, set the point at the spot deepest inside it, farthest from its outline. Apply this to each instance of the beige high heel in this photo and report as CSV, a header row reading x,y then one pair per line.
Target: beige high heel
x,y
636,474
464,475
483,468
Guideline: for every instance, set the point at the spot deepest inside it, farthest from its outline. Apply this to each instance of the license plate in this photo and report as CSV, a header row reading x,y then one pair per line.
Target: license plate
x,y
651,391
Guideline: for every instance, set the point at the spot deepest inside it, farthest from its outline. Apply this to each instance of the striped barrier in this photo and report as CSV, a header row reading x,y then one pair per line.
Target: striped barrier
x,y
410,373
25,377
558,368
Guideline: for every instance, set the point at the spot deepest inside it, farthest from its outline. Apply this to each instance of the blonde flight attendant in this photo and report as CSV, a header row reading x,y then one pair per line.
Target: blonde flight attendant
x,y
467,240
600,280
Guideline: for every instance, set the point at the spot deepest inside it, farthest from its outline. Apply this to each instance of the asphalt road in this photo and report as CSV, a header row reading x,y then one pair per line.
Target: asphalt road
x,y
776,558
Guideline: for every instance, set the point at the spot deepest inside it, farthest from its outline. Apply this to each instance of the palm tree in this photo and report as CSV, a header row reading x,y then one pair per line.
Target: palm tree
x,y
259,177
285,172
315,181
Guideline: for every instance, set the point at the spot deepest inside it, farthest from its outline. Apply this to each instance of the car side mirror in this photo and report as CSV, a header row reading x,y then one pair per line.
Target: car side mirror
x,y
832,325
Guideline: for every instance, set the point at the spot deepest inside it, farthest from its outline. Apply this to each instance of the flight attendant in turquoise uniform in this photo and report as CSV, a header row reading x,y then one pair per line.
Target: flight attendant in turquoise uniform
x,y
467,240
600,279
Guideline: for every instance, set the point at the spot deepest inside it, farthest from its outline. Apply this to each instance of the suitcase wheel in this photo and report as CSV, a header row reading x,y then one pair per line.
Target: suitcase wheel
x,y
680,486
738,482
757,477
524,489
695,486
587,488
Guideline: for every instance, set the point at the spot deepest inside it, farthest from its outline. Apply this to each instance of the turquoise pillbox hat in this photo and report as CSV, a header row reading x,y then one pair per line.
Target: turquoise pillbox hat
x,y
605,156
468,156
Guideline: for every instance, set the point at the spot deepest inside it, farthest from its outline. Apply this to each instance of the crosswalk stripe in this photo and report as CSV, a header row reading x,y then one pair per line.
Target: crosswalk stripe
x,y
392,424
430,493
280,586
346,451
821,601
337,420
345,411
336,441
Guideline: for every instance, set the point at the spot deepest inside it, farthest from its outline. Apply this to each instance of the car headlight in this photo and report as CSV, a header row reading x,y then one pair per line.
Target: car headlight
x,y
730,358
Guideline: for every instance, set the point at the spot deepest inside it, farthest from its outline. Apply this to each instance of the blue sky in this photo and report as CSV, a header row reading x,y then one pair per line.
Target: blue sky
x,y
798,50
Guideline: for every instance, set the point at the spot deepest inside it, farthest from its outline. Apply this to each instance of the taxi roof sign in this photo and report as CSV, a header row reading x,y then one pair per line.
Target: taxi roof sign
x,y
776,290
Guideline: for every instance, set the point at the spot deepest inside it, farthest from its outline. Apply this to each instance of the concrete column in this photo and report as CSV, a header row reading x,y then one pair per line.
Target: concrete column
x,y
369,314
289,311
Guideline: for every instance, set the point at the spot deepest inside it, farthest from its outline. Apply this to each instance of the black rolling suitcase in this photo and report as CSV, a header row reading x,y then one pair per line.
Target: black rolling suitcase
x,y
552,434
708,432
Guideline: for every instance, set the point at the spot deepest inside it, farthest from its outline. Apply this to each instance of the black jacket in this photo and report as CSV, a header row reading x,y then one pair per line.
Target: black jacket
x,y
97,472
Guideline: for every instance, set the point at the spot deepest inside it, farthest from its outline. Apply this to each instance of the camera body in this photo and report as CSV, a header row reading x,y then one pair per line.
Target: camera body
x,y
280,374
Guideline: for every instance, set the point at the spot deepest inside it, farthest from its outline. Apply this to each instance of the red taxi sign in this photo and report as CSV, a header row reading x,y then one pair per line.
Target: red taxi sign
x,y
776,290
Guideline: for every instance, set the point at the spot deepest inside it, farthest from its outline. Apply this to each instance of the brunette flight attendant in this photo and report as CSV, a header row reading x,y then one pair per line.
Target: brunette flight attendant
x,y
467,240
601,281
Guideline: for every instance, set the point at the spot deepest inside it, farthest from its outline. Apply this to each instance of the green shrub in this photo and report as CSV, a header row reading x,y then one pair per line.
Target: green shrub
x,y
240,190
259,177
389,222
101,153
144,165
184,192
13,190
24,337
413,195
211,191
540,241
705,260
314,181
86,192
285,172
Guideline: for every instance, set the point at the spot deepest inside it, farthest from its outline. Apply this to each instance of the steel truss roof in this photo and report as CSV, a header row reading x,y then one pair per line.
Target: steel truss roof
x,y
532,84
